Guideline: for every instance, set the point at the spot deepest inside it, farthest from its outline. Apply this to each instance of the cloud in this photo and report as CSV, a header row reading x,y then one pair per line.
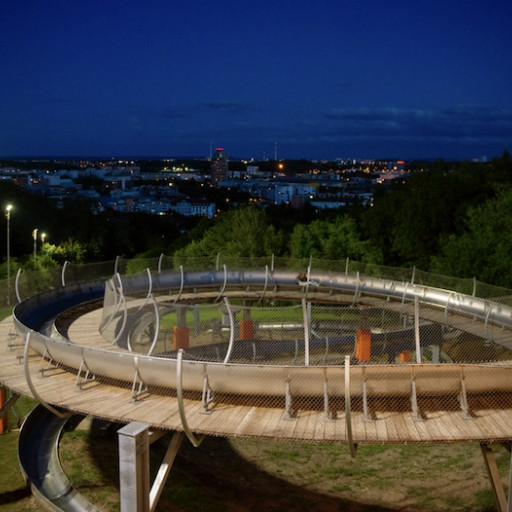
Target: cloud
x,y
453,122
166,112
346,85
224,106
456,131
198,110
367,114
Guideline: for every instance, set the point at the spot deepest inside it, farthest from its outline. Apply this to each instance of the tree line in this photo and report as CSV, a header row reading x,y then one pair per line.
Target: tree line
x,y
452,219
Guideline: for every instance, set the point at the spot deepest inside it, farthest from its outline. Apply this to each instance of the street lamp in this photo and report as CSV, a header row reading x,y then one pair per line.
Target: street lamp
x,y
8,217
34,236
43,236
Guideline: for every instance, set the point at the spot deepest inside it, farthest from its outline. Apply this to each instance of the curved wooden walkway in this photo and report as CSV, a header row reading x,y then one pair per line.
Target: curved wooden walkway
x,y
57,386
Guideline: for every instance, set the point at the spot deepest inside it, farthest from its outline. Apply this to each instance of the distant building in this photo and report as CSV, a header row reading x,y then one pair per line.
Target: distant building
x,y
194,207
331,203
219,167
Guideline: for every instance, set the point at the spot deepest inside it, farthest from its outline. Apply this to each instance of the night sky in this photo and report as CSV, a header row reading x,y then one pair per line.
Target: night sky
x,y
322,79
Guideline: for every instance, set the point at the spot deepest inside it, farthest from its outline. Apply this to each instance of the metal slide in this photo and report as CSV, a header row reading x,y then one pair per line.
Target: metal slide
x,y
38,454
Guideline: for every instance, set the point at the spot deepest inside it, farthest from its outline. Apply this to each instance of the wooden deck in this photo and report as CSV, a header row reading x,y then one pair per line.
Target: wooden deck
x,y
237,418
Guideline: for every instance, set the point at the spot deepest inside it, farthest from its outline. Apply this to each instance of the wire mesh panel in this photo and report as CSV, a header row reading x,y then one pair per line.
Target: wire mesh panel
x,y
269,334
74,273
33,282
8,293
111,306
308,334
296,343
202,330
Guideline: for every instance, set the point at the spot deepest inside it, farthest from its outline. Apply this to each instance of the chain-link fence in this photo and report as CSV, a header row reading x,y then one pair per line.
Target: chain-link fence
x,y
301,333
28,283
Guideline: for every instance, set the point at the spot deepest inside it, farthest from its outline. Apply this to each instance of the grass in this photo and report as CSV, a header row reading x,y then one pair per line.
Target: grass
x,y
289,313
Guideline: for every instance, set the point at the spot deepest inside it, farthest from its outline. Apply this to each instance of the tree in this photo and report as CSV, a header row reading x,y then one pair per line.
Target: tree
x,y
483,249
243,232
71,250
333,240
410,222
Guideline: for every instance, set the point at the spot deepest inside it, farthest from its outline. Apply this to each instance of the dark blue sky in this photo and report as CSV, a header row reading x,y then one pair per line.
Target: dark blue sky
x,y
323,79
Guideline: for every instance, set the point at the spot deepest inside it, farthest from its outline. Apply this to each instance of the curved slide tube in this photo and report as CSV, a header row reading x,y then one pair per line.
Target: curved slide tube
x,y
39,462
38,310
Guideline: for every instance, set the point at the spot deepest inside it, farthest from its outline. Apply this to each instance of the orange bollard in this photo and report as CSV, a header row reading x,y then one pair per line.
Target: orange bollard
x,y
246,329
3,421
363,344
405,356
180,337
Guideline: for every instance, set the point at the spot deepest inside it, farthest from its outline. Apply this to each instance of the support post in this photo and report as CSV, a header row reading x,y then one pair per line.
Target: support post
x,y
417,328
246,324
5,406
180,330
288,411
327,410
366,410
348,416
509,504
134,467
306,314
165,468
3,418
363,345
494,477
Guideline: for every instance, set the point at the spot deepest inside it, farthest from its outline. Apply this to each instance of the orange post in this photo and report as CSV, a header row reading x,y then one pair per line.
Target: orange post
x,y
363,344
3,399
180,337
405,356
246,329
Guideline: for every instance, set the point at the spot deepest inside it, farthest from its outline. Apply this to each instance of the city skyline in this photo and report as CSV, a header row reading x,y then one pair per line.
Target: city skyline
x,y
283,79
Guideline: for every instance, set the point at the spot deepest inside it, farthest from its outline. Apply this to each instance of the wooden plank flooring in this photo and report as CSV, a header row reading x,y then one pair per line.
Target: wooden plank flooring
x,y
57,387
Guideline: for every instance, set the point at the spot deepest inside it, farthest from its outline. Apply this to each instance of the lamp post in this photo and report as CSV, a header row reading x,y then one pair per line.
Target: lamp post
x,y
8,217
34,236
43,236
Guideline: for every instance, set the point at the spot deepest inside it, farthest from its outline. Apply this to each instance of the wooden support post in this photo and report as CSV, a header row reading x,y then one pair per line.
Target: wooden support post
x,y
509,504
165,468
3,418
180,337
363,345
405,356
180,330
246,323
246,330
494,477
5,406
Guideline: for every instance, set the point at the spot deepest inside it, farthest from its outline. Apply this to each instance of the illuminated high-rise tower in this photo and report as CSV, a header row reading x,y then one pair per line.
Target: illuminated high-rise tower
x,y
219,167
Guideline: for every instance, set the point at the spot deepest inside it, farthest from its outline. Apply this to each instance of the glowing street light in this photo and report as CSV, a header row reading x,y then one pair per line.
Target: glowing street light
x,y
43,236
8,217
